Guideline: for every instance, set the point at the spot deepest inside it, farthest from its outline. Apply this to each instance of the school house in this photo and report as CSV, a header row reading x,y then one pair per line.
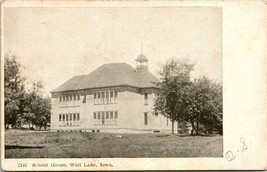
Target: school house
x,y
115,97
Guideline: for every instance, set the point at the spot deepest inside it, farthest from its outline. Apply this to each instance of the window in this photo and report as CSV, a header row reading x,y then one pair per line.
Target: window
x,y
111,96
103,117
63,117
107,115
115,117
98,96
70,117
146,97
95,97
98,115
116,114
78,116
94,115
107,95
74,117
72,99
116,95
103,97
67,117
145,118
84,98
111,115
59,117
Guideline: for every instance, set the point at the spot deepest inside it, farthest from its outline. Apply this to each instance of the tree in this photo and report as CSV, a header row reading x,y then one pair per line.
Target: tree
x,y
23,106
211,116
197,102
39,107
14,91
203,106
174,78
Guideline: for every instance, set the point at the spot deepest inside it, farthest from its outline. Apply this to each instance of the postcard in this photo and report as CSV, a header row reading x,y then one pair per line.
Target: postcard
x,y
133,85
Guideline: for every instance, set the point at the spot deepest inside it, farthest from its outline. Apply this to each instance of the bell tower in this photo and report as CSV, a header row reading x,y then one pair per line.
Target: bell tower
x,y
141,63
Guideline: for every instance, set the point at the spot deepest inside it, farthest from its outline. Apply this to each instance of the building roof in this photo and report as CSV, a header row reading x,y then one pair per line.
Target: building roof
x,y
141,58
108,75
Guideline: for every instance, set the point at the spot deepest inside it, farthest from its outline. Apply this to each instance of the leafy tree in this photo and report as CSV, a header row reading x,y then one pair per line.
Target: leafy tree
x,y
174,78
39,107
197,102
211,116
21,106
14,91
203,106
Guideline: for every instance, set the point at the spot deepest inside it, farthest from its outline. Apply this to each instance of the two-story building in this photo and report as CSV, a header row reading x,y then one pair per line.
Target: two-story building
x,y
113,98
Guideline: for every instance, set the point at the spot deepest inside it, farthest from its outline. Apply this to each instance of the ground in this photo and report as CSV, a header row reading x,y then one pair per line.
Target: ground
x,y
42,144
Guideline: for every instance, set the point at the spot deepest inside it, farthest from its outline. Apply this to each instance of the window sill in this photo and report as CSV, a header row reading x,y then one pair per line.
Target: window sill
x,y
103,124
106,103
69,125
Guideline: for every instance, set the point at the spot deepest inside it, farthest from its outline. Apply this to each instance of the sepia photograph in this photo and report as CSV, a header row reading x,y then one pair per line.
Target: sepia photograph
x,y
111,82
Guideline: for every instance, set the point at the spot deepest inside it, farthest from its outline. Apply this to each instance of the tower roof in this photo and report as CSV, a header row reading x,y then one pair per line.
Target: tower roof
x,y
141,58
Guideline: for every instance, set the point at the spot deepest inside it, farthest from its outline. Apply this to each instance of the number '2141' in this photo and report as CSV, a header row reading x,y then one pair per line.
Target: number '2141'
x,y
22,164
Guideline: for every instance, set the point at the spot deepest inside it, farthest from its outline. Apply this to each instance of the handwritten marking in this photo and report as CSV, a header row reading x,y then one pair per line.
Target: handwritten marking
x,y
242,140
230,156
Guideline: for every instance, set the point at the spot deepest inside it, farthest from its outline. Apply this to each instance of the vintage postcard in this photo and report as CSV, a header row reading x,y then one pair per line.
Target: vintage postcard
x,y
133,85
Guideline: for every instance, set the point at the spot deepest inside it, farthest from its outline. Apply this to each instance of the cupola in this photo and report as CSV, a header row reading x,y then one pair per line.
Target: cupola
x,y
141,62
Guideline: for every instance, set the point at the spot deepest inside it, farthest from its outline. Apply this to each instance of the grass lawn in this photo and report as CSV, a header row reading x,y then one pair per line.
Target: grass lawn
x,y
34,144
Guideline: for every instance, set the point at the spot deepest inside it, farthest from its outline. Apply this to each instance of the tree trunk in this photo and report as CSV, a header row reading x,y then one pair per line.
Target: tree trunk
x,y
193,128
172,126
197,128
177,127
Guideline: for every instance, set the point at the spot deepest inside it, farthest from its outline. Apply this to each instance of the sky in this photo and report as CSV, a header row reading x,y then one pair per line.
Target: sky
x,y
55,44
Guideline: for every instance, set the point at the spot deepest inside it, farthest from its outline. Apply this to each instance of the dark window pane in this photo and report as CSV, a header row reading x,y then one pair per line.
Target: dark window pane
x,y
145,116
111,115
116,94
94,115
